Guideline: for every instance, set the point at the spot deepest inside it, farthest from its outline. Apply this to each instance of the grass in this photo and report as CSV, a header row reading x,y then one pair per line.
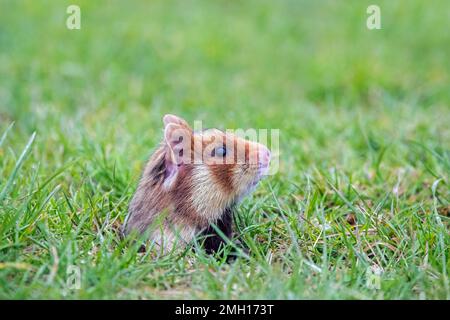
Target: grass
x,y
364,144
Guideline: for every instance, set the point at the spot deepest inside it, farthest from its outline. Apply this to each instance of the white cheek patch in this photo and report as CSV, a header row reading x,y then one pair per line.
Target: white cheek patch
x,y
264,171
247,183
207,197
246,192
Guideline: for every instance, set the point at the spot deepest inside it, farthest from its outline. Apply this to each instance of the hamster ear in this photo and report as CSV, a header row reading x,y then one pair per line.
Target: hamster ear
x,y
178,139
170,118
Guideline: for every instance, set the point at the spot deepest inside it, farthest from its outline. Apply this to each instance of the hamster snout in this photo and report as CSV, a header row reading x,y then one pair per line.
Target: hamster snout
x,y
264,156
263,159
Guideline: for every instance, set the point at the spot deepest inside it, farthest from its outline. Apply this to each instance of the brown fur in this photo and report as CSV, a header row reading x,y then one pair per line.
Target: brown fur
x,y
191,196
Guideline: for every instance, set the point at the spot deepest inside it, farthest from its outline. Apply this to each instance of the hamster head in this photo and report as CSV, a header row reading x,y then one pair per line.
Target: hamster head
x,y
216,168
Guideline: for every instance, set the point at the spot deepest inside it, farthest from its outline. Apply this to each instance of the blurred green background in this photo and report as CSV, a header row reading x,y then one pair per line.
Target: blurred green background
x,y
304,66
364,103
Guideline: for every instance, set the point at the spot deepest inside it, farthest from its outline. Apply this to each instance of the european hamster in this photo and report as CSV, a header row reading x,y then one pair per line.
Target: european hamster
x,y
194,179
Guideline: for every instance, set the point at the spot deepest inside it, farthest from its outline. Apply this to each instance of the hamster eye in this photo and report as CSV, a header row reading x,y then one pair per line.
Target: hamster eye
x,y
219,152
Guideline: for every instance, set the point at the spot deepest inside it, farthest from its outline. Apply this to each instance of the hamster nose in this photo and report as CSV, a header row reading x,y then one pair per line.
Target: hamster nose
x,y
264,156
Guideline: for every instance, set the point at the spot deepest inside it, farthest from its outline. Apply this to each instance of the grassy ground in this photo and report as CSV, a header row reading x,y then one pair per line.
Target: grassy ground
x,y
364,157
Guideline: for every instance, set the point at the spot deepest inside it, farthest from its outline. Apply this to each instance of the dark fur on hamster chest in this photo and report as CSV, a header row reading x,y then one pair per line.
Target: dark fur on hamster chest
x,y
213,240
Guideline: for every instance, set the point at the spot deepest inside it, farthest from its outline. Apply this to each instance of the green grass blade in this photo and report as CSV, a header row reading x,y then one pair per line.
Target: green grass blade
x,y
17,167
3,138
